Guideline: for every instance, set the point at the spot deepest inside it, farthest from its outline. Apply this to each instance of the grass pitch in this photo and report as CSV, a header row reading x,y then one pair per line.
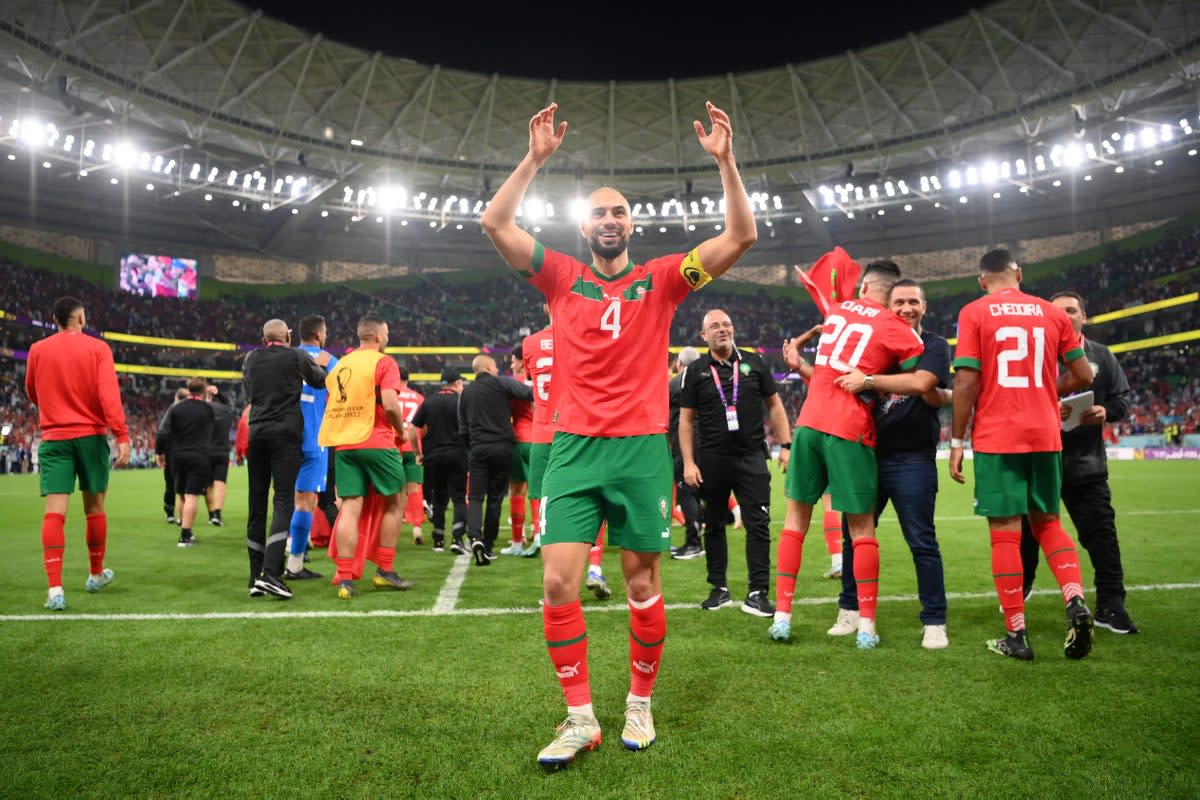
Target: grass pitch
x,y
172,682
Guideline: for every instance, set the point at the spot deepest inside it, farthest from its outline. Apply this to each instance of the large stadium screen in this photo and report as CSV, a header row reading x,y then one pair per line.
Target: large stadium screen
x,y
158,276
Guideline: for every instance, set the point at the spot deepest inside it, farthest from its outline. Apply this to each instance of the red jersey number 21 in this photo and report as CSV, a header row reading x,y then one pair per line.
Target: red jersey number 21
x,y
610,320
1018,353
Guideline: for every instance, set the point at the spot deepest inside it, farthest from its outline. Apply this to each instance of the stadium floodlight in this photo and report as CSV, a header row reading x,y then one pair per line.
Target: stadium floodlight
x,y
356,142
1148,137
1158,162
1073,155
149,187
278,187
212,175
324,212
924,183
144,161
908,206
106,152
889,188
972,176
124,155
299,187
1056,155
1191,152
295,211
936,181
266,206
232,179
246,179
1108,148
236,203
89,147
433,203
577,210
52,137
1119,170
955,179
881,212
990,172
1087,177
208,198
379,219
347,194
996,195
1039,161
825,218
1057,183
963,199
1090,149
47,164
31,131
464,206
114,181
170,166
873,190
650,209
1129,144
68,143
1024,190
1165,133
849,215
776,201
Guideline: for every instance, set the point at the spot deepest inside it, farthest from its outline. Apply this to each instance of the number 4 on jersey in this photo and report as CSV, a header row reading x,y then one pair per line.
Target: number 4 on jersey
x,y
611,319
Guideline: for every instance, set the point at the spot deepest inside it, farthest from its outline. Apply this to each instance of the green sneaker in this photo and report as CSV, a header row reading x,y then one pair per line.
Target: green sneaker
x,y
97,582
575,734
639,726
1014,645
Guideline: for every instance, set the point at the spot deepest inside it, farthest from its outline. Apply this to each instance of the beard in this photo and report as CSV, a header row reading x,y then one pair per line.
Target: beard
x,y
608,251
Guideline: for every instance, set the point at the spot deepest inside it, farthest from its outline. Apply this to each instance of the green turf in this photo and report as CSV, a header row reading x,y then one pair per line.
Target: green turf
x,y
234,697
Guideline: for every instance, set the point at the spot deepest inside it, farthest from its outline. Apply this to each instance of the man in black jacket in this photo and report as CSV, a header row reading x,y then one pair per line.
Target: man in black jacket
x,y
273,375
724,449
187,430
1085,490
685,496
441,450
485,418
223,419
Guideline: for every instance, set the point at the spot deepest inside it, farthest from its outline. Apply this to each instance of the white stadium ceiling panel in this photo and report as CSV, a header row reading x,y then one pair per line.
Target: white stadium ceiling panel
x,y
229,86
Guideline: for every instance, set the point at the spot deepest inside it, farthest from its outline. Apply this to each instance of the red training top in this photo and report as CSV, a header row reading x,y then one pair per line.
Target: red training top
x,y
537,351
70,377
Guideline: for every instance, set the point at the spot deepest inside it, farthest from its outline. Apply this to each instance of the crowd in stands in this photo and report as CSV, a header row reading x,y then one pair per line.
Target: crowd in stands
x,y
498,312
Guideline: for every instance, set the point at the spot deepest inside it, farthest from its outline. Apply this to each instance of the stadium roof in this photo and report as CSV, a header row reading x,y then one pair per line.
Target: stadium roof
x,y
253,101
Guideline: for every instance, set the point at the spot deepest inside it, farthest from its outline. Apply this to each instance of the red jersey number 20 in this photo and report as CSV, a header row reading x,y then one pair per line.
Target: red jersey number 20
x,y
834,343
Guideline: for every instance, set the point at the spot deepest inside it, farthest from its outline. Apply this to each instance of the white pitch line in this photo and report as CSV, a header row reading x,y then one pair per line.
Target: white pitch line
x,y
259,616
1147,513
447,599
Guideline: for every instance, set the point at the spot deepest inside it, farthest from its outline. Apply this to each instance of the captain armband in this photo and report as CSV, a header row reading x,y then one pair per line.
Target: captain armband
x,y
693,271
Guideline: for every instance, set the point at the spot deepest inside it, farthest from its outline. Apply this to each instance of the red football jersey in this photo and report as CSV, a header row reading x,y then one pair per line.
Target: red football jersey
x,y
522,411
410,401
857,334
537,351
611,336
1015,341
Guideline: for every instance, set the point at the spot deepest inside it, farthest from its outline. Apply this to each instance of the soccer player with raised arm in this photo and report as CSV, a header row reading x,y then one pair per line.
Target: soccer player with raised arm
x,y
833,447
1006,372
609,460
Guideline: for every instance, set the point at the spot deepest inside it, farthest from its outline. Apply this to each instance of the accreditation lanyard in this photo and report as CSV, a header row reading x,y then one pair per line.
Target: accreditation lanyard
x,y
731,419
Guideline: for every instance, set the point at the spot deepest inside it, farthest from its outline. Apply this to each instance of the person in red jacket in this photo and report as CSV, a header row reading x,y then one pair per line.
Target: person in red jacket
x,y
241,440
70,377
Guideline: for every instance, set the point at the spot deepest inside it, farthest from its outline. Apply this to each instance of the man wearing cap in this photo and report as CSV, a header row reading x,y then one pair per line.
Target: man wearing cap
x,y
440,448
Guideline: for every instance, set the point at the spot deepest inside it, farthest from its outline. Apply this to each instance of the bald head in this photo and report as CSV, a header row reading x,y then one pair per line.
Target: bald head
x,y
717,332
276,330
609,223
484,363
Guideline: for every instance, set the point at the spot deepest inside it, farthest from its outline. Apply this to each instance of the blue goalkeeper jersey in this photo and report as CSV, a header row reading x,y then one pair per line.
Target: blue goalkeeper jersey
x,y
312,403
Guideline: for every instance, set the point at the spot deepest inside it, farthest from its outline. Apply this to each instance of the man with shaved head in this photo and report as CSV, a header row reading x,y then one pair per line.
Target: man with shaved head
x,y
610,460
485,420
273,376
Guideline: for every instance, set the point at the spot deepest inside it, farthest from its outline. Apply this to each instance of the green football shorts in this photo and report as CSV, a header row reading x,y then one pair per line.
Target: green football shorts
x,y
821,462
520,463
539,456
624,480
413,472
61,461
357,470
1012,484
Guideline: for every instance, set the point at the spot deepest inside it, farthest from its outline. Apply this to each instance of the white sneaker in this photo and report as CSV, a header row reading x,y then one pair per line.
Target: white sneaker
x,y
935,638
418,535
737,517
847,623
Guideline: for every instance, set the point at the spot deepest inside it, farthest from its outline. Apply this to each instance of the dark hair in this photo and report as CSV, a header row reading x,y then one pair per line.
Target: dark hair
x,y
905,282
996,261
196,385
1074,296
309,325
64,307
883,273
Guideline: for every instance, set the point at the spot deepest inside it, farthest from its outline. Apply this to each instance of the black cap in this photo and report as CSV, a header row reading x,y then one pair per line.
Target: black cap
x,y
450,375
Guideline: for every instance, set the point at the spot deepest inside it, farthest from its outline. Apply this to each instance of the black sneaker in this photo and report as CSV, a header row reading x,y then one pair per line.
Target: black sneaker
x,y
718,598
458,548
1079,629
254,590
305,574
439,542
215,521
171,519
480,553
1115,620
272,585
687,552
758,604
1014,645
186,539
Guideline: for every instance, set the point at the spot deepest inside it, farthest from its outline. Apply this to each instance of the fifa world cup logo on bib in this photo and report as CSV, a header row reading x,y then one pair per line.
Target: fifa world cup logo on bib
x,y
342,377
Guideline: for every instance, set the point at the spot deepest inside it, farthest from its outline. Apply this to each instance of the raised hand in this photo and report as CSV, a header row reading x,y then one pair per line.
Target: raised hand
x,y
718,143
544,137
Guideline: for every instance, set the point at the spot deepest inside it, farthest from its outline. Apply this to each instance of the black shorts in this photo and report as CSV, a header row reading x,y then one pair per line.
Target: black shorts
x,y
220,468
192,472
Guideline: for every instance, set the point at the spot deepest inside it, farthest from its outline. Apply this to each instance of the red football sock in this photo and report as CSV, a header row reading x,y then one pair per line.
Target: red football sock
x,y
676,512
414,510
97,538
1061,556
791,548
516,509
344,569
866,575
732,502
535,508
647,632
1009,577
833,532
566,640
385,557
54,541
